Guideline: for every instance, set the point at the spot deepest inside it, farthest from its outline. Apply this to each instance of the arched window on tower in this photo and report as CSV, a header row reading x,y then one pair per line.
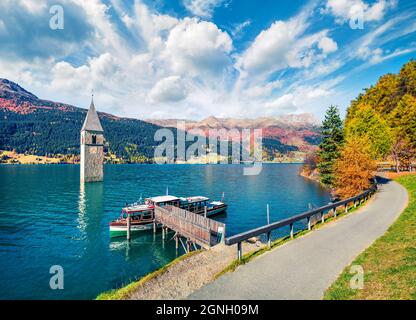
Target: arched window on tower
x,y
94,139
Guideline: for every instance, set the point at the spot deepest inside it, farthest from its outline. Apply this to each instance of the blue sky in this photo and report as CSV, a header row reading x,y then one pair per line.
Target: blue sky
x,y
196,58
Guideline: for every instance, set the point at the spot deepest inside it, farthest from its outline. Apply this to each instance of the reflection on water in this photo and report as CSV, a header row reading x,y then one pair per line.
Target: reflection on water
x,y
48,218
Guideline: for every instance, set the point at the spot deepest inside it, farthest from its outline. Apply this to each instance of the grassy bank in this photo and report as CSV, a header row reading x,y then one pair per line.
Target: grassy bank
x,y
390,263
124,292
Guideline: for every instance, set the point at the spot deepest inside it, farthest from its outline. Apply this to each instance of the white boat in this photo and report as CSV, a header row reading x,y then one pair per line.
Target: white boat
x,y
142,215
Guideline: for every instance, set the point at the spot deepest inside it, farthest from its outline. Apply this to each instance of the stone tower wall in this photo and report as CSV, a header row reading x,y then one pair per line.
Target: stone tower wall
x,y
92,157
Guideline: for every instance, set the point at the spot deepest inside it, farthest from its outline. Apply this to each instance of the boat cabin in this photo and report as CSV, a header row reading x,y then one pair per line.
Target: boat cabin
x,y
194,204
162,201
142,212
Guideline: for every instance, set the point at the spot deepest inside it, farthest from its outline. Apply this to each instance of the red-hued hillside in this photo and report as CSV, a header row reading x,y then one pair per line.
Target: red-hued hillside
x,y
300,131
36,126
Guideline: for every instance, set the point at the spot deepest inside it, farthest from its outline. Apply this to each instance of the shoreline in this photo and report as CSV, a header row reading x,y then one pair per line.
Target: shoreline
x,y
191,273
140,163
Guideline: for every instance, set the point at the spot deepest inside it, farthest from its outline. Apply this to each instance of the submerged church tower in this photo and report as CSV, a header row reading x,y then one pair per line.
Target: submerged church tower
x,y
92,147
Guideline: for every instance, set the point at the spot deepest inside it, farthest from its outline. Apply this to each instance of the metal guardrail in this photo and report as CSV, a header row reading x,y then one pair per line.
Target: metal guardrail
x,y
267,229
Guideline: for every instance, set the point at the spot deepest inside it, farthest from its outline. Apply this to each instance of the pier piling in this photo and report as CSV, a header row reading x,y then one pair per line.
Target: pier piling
x,y
128,227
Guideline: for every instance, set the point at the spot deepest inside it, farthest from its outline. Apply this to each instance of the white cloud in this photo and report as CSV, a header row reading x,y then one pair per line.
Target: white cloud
x,y
33,6
240,27
300,100
142,63
284,45
327,45
265,90
202,8
69,78
269,50
196,47
170,89
284,104
345,10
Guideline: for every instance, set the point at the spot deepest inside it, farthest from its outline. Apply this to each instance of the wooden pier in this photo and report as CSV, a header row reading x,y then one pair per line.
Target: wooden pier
x,y
195,228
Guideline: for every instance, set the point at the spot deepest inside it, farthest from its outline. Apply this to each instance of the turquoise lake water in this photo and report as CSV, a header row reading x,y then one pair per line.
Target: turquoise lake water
x,y
48,218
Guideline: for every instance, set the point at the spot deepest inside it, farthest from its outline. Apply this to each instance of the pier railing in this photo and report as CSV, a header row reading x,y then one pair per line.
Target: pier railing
x,y
318,213
195,227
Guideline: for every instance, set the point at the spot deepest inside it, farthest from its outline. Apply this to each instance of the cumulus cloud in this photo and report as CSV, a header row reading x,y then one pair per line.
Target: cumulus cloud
x,y
299,100
202,8
137,59
284,45
196,47
170,89
327,45
28,32
345,10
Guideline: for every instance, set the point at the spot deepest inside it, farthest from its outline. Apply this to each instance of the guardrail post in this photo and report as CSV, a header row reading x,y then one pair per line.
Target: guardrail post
x,y
269,239
335,212
291,230
322,217
346,207
239,251
309,223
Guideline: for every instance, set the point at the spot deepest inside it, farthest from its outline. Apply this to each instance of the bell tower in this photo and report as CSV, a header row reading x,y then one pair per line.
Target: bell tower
x,y
92,147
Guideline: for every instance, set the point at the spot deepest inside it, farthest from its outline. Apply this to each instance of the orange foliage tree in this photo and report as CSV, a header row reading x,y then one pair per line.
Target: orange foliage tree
x,y
354,169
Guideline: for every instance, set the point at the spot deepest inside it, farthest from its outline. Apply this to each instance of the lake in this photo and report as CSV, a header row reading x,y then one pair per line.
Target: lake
x,y
48,218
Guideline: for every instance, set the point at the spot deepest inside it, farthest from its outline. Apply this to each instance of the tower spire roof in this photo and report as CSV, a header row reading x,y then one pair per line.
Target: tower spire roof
x,y
92,122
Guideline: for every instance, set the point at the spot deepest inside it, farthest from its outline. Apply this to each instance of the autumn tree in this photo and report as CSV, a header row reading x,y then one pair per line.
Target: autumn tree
x,y
371,127
403,119
354,169
310,163
332,139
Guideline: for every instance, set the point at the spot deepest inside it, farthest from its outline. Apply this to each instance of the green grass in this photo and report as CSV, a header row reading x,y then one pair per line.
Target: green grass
x,y
390,263
124,292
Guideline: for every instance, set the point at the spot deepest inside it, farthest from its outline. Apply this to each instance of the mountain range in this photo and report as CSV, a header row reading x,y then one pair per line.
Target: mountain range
x,y
32,125
299,131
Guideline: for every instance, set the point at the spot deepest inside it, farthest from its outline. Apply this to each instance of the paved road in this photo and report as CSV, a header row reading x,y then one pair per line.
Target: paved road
x,y
305,267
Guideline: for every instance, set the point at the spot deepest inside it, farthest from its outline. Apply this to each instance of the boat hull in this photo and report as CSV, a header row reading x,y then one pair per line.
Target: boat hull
x,y
120,229
216,210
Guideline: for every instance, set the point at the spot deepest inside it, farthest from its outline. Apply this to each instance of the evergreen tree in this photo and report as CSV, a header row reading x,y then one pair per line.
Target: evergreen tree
x,y
333,138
